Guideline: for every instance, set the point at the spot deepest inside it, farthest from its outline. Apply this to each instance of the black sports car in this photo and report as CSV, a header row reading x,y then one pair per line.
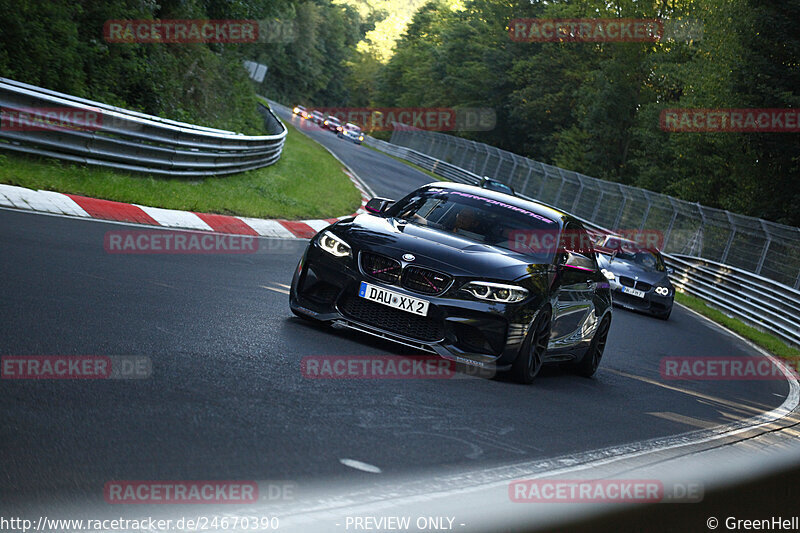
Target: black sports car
x,y
637,275
450,269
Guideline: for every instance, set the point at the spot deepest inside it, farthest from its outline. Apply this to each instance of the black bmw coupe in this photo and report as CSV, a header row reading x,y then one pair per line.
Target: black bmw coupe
x,y
477,276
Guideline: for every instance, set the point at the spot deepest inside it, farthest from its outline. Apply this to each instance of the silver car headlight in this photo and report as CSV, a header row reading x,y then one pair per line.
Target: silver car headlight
x,y
662,291
334,245
608,274
495,292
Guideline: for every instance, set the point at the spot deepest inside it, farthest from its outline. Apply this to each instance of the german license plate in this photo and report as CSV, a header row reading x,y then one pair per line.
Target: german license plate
x,y
374,293
633,292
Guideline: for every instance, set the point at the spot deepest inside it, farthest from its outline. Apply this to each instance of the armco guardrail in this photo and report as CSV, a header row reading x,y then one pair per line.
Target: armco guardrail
x,y
133,141
762,302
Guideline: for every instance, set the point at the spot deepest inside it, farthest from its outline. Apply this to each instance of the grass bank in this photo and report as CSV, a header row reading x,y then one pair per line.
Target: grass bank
x,y
307,182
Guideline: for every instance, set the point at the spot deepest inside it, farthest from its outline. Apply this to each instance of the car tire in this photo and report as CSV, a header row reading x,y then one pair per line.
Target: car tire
x,y
529,360
591,359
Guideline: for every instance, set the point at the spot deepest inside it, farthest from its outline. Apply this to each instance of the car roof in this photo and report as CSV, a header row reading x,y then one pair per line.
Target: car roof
x,y
530,205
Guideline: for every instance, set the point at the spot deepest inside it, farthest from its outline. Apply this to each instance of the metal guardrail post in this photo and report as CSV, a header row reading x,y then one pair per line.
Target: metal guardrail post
x,y
765,250
621,209
730,238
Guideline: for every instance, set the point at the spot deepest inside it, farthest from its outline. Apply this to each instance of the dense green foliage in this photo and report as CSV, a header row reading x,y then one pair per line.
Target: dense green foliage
x,y
595,107
591,107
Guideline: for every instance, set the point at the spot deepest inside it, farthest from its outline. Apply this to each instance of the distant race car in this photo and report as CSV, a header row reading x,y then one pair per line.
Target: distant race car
x,y
351,132
638,276
441,270
332,123
317,117
300,110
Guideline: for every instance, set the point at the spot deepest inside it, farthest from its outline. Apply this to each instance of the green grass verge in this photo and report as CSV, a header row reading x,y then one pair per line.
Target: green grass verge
x,y
412,165
307,182
769,342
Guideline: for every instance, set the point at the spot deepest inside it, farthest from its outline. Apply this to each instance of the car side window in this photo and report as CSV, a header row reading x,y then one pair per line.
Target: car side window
x,y
576,249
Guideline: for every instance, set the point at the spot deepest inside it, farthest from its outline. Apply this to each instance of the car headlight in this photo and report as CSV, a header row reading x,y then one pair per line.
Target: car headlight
x,y
662,291
495,292
360,137
334,245
608,274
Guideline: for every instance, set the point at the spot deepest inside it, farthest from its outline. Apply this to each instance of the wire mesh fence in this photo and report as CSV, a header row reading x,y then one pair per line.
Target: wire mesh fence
x,y
765,248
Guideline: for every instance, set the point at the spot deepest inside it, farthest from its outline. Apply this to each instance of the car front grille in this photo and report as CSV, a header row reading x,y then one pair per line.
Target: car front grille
x,y
424,328
634,284
380,267
426,281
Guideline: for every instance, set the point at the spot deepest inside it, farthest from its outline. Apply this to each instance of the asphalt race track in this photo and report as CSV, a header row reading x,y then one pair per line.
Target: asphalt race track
x,y
227,399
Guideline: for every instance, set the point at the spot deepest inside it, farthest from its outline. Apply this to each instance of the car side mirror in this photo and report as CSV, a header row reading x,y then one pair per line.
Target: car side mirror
x,y
378,205
670,270
573,261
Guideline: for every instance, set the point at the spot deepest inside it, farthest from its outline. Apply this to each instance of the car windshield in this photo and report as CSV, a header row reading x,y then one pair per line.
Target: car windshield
x,y
353,128
481,219
646,259
333,119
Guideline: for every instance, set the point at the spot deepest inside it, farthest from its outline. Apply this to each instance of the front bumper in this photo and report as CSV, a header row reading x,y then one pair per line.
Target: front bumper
x,y
483,334
651,303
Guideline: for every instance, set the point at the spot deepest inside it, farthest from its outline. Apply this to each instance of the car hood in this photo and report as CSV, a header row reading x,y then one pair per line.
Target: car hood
x,y
433,248
624,268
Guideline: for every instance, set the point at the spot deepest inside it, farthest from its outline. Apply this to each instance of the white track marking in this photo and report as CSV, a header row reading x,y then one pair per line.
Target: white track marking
x,y
268,228
64,205
276,289
23,198
317,225
358,465
175,219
